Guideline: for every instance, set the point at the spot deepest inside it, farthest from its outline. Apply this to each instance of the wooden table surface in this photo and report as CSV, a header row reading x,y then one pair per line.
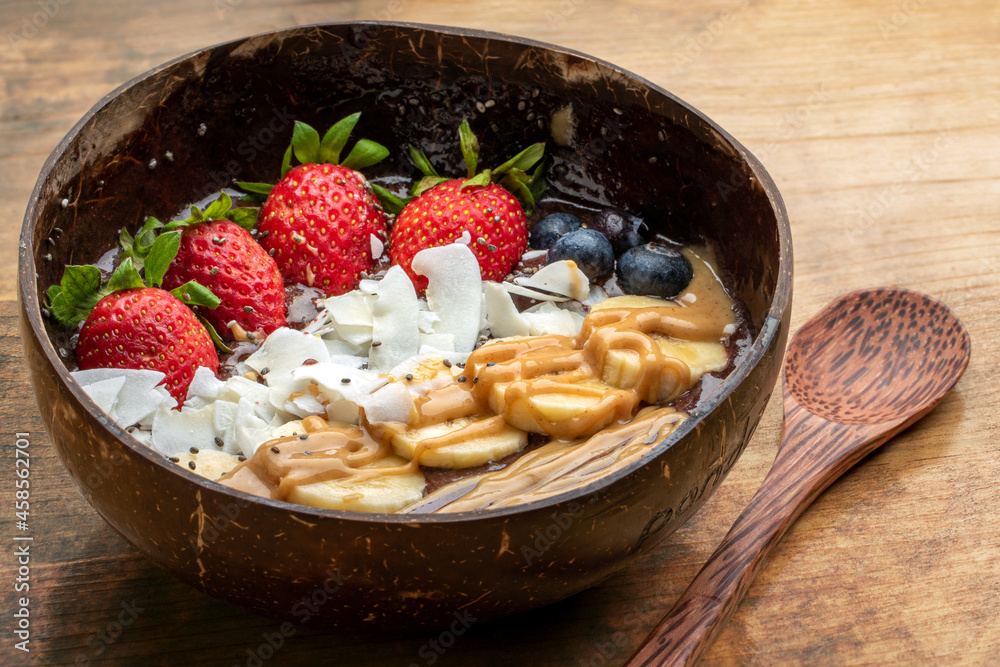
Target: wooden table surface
x,y
880,123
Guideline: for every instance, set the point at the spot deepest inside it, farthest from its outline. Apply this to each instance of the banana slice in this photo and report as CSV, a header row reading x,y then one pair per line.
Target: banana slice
x,y
700,356
633,301
208,463
622,367
287,429
564,410
465,442
389,492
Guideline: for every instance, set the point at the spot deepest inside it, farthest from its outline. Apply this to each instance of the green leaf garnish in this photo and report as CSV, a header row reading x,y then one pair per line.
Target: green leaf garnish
x,y
81,284
305,143
470,149
519,187
257,188
524,160
78,292
244,217
336,138
364,154
160,256
422,162
286,161
213,334
125,277
482,178
217,210
390,202
193,293
426,183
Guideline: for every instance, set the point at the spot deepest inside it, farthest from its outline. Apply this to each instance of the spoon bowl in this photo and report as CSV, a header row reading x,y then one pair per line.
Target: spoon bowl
x,y
863,369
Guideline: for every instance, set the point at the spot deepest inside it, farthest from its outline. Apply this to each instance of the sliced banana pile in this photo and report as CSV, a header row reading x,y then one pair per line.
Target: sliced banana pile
x,y
385,492
430,412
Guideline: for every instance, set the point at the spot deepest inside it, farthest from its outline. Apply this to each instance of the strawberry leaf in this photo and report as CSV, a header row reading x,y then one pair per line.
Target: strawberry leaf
x,y
519,187
422,162
256,188
161,254
364,154
524,160
214,335
286,162
537,183
81,284
390,202
65,313
482,179
336,138
71,301
193,293
470,148
426,183
125,277
217,210
244,217
305,143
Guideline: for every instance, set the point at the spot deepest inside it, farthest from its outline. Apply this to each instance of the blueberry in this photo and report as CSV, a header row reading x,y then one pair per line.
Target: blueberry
x,y
622,229
654,269
549,229
589,249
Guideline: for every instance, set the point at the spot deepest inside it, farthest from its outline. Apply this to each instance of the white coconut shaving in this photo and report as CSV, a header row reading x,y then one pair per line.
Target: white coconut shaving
x,y
129,396
454,291
563,277
395,324
548,318
377,246
501,314
391,403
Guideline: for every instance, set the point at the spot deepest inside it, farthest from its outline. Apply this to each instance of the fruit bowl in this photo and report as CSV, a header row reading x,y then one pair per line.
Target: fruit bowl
x,y
183,130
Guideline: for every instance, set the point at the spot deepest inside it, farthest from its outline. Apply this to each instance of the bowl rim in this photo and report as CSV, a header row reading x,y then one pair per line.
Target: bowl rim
x,y
780,303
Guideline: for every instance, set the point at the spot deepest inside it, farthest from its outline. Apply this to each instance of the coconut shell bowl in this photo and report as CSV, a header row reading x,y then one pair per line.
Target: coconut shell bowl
x,y
183,130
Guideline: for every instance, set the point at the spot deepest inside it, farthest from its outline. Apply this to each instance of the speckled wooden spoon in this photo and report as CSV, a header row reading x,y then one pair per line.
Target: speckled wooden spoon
x,y
861,371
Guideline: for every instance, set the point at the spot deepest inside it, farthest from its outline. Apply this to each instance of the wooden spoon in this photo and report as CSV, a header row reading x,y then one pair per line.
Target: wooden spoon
x,y
861,371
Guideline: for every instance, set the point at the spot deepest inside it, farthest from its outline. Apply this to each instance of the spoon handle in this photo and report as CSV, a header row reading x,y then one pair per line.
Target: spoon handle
x,y
806,464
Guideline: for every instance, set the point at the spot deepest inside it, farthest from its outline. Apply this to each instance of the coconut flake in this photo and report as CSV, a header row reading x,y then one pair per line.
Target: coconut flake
x,y
394,321
377,246
285,350
105,392
501,313
250,431
204,384
175,432
454,291
548,318
562,277
391,403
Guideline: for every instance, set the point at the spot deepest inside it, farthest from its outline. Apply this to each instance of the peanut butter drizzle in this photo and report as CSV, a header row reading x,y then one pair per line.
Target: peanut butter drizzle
x,y
502,377
555,467
326,452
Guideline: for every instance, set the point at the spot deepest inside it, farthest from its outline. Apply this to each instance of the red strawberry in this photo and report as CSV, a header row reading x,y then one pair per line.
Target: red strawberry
x,y
147,328
223,256
215,249
318,220
444,210
492,216
129,325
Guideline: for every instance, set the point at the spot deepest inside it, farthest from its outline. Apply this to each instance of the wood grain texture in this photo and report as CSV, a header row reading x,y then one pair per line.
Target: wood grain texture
x,y
863,369
879,123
